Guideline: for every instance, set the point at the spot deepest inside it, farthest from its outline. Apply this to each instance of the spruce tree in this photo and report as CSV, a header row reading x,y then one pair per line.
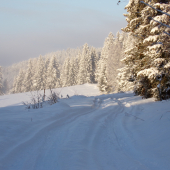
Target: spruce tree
x,y
65,73
114,60
40,75
53,73
18,85
102,69
47,62
89,66
76,67
103,80
148,59
125,79
28,80
94,59
123,83
85,69
13,90
72,73
5,87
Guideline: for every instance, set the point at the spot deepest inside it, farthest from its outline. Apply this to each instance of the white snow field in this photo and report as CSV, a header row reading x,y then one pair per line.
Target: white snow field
x,y
88,131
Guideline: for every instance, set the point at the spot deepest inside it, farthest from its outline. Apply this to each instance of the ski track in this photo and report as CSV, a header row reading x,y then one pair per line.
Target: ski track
x,y
79,138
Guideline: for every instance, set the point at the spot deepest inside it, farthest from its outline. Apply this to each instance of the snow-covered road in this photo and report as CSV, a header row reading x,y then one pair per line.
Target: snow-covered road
x,y
106,132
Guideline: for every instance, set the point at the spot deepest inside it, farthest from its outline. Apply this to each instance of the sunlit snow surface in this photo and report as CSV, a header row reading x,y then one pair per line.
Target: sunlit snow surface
x,y
88,131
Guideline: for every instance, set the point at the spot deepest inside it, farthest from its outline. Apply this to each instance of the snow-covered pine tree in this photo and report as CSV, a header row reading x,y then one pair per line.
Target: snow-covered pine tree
x,y
5,87
47,62
65,73
28,79
82,69
18,82
1,81
94,59
125,81
128,41
102,70
72,76
40,75
89,66
148,59
53,73
103,80
85,69
58,68
14,86
117,37
76,67
114,60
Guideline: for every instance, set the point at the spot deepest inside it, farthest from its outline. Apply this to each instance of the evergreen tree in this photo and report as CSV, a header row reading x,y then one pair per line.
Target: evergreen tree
x,y
125,79
72,73
85,69
5,87
65,72
124,84
94,59
47,62
40,75
103,80
114,60
18,85
102,70
53,73
14,86
76,67
148,59
28,80
89,66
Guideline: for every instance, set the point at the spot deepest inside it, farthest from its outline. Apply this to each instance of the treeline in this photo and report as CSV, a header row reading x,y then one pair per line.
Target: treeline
x,y
88,66
46,74
10,72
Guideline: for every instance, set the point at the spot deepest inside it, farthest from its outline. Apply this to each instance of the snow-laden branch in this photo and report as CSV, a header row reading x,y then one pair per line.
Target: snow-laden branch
x,y
156,20
166,33
160,23
155,8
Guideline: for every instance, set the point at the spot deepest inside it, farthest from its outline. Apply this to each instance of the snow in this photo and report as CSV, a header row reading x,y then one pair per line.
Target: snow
x,y
155,47
150,72
167,65
154,30
159,61
88,131
152,38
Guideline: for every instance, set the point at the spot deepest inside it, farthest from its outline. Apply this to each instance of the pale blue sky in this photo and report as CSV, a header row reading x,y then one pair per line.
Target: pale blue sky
x,y
33,27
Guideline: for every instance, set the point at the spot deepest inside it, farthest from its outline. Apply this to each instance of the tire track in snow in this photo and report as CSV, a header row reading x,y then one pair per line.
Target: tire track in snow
x,y
123,131
85,138
40,134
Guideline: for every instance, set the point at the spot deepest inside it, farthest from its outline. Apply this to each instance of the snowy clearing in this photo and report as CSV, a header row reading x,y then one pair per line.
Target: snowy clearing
x,y
88,131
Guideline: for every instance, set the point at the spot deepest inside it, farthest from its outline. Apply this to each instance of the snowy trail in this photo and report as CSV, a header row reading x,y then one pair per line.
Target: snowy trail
x,y
106,132
80,138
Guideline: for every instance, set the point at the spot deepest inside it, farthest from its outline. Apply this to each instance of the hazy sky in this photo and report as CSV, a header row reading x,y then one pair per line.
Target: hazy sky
x,y
34,27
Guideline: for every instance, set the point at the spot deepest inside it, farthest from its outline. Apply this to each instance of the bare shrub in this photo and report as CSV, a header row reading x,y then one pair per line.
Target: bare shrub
x,y
36,102
53,97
